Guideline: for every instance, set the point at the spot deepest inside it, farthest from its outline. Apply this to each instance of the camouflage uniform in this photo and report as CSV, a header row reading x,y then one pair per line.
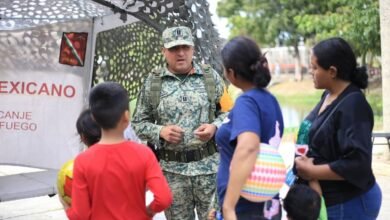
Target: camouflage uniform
x,y
183,102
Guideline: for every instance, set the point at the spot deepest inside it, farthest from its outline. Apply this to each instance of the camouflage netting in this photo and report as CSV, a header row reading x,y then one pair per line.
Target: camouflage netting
x,y
19,14
125,54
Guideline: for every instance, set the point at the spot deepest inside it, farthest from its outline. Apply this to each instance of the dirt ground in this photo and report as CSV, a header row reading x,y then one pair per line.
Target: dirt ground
x,y
285,84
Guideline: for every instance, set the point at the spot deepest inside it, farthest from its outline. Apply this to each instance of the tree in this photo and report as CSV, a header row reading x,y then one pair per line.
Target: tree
x,y
285,22
269,22
356,21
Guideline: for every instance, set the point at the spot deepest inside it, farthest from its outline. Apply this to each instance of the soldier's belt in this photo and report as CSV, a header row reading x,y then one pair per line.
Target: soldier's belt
x,y
188,156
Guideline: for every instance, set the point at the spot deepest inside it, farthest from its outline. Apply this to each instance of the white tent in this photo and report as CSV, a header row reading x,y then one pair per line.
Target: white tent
x,y
46,72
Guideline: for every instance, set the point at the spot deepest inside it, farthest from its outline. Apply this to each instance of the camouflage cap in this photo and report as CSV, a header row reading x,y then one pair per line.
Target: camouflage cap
x,y
177,36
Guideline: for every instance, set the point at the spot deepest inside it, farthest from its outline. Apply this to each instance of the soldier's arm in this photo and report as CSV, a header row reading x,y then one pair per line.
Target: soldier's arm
x,y
143,120
219,84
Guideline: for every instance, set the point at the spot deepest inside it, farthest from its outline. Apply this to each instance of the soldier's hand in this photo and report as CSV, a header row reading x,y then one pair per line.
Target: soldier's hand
x,y
172,134
205,132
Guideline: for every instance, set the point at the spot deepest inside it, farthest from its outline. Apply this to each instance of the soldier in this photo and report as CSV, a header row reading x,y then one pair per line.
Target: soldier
x,y
177,110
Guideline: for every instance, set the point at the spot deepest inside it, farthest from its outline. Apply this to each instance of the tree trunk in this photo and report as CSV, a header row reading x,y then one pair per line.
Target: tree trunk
x,y
298,64
384,6
364,57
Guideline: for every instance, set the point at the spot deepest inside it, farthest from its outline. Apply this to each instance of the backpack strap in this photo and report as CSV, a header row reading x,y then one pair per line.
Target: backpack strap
x,y
210,89
155,90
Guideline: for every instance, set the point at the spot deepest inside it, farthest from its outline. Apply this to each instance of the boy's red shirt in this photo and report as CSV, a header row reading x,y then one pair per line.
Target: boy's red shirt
x,y
109,182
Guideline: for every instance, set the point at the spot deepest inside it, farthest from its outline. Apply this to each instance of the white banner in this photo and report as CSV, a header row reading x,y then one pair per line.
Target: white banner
x,y
38,113
40,99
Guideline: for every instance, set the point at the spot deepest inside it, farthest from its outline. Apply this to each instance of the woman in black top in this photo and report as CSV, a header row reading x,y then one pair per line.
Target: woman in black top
x,y
339,135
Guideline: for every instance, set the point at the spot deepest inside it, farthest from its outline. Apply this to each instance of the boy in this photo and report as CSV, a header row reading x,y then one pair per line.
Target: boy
x,y
302,203
110,178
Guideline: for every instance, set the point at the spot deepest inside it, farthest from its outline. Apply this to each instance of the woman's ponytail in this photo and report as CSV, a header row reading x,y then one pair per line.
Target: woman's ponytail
x,y
360,77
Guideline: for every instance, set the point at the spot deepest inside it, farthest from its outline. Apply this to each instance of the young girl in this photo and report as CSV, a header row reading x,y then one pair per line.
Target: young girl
x,y
87,128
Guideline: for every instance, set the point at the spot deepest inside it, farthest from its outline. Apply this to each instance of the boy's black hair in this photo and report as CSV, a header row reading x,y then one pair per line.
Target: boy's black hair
x,y
87,128
302,203
108,101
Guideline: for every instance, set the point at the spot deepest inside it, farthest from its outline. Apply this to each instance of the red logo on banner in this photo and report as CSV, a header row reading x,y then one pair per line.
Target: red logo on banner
x,y
73,47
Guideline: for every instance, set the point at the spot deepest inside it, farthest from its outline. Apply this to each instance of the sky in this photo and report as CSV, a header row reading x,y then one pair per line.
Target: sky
x,y
220,23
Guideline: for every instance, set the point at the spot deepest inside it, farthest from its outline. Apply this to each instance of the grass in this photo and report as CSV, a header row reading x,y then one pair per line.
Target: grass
x,y
299,100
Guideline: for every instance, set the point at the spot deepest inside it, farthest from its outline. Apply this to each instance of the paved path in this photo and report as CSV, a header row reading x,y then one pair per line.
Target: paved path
x,y
46,208
381,167
39,208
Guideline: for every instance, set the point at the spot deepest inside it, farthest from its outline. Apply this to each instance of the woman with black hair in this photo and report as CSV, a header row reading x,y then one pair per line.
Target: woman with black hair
x,y
339,135
255,118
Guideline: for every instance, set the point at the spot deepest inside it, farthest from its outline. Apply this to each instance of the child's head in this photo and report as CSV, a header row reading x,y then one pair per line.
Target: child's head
x,y
109,103
87,128
302,203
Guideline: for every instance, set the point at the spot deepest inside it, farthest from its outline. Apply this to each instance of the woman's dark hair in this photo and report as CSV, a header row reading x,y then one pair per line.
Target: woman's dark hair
x,y
302,203
243,56
338,53
87,128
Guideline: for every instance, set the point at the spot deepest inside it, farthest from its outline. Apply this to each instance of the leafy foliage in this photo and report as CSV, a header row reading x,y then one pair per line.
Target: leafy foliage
x,y
356,21
285,22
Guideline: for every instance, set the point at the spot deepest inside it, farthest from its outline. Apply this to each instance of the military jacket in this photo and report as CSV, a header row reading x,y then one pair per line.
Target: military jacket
x,y
183,102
